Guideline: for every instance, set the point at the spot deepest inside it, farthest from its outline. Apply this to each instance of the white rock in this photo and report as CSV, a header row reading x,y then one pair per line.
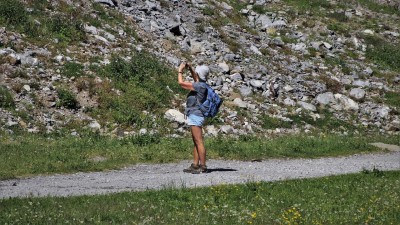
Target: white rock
x,y
255,50
357,93
225,67
94,125
27,88
382,112
325,98
347,103
361,83
307,106
59,58
235,77
368,31
240,103
91,29
289,102
174,115
227,129
327,45
256,83
211,130
143,131
101,39
288,88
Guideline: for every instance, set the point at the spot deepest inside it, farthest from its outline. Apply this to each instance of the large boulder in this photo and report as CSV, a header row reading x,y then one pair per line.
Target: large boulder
x,y
357,93
174,115
325,98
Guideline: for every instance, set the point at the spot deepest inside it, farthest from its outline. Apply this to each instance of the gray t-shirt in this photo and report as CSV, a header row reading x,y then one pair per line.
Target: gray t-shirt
x,y
196,97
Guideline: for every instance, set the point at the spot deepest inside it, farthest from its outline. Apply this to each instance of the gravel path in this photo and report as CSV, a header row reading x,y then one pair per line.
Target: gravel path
x,y
149,176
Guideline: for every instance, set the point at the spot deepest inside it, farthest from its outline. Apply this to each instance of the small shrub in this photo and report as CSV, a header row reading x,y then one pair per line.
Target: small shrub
x,y
260,9
272,123
331,84
144,139
375,171
338,27
327,122
12,12
66,99
66,30
310,6
144,84
376,7
208,11
18,73
17,87
383,53
6,98
72,69
338,16
392,99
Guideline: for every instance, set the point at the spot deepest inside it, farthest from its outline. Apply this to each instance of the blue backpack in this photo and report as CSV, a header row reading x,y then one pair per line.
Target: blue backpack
x,y
210,106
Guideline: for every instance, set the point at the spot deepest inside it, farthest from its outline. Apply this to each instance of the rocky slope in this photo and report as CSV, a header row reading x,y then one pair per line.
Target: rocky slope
x,y
281,66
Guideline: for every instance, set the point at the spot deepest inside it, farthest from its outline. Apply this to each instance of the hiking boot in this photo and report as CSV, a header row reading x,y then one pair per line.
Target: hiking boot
x,y
201,169
192,168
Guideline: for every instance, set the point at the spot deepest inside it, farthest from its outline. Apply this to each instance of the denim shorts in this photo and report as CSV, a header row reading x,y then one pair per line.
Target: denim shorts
x,y
194,120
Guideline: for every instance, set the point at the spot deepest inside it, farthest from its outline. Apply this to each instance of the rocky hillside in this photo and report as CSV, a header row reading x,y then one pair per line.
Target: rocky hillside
x,y
282,66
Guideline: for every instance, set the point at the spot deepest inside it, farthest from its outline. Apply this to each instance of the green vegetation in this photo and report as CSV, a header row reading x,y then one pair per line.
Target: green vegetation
x,y
311,6
366,198
234,16
208,11
72,69
339,27
392,99
332,85
66,99
374,6
12,12
6,98
269,122
260,9
326,123
136,79
383,53
64,154
66,26
338,16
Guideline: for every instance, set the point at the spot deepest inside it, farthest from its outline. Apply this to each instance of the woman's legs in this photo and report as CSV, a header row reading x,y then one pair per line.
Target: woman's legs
x,y
199,151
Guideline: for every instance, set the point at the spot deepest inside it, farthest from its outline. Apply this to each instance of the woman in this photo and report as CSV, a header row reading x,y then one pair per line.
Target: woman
x,y
195,118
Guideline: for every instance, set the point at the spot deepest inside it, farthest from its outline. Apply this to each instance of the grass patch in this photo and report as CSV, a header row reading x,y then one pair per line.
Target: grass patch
x,y
339,27
392,99
260,9
311,6
385,54
66,99
364,198
332,85
208,11
143,84
12,12
269,122
22,155
66,26
327,122
382,8
6,98
72,69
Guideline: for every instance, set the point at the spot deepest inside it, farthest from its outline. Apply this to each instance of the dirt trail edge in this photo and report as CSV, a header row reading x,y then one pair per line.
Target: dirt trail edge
x,y
158,176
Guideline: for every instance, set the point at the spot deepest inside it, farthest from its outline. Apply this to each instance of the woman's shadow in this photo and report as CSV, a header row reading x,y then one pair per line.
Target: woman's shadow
x,y
220,170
